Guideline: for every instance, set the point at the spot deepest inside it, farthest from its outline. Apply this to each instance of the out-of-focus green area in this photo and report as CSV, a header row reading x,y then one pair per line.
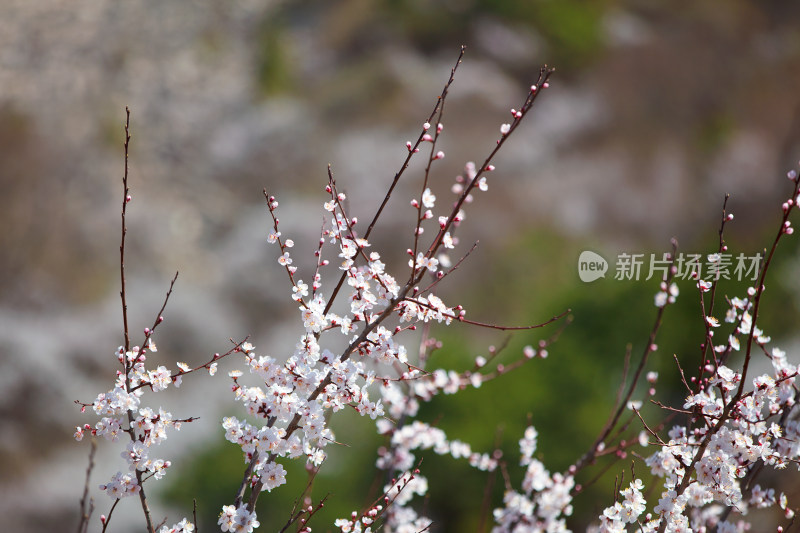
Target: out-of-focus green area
x,y
655,111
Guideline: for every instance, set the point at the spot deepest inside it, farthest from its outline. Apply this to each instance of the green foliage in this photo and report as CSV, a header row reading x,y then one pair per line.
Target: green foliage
x,y
272,61
571,29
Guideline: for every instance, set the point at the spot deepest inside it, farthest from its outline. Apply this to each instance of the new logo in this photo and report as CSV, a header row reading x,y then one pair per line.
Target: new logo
x,y
591,266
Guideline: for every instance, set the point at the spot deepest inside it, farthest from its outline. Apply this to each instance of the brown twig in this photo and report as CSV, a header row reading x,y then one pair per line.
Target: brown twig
x,y
87,503
126,198
377,320
412,150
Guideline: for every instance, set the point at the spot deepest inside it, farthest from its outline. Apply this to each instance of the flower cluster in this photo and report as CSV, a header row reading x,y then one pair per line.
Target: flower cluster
x,y
120,412
709,464
354,315
545,500
735,432
237,520
373,375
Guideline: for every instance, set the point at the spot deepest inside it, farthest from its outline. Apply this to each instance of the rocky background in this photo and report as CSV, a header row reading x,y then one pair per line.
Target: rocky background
x,y
656,110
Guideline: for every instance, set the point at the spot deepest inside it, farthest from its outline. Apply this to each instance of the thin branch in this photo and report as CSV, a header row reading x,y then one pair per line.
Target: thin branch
x,y
782,230
590,455
128,364
125,199
536,90
87,503
108,516
412,150
439,102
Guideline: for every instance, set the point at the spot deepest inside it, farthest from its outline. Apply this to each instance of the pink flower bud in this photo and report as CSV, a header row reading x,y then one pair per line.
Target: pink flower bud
x,y
528,352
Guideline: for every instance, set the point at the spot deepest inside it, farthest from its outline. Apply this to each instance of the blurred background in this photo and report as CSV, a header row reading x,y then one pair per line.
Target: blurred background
x,y
656,110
